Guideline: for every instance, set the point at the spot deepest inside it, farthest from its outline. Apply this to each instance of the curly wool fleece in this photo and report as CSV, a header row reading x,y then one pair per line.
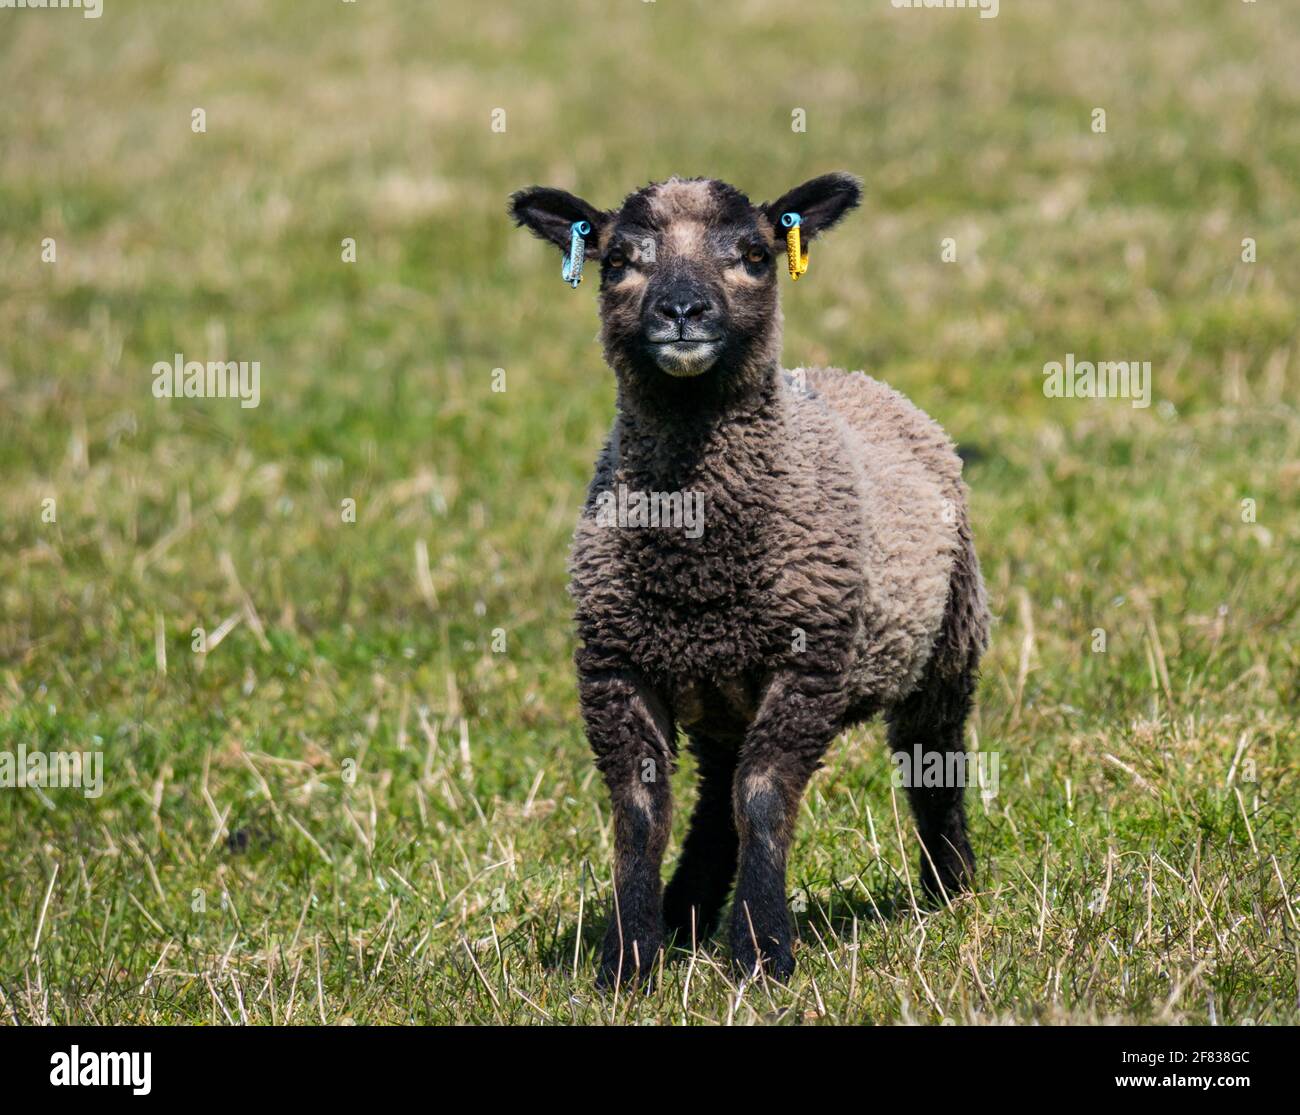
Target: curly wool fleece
x,y
835,534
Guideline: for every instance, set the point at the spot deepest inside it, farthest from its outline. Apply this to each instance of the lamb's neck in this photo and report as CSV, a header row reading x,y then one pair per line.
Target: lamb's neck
x,y
666,442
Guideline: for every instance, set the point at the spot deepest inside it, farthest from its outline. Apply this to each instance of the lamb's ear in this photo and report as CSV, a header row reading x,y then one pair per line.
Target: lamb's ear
x,y
550,214
820,203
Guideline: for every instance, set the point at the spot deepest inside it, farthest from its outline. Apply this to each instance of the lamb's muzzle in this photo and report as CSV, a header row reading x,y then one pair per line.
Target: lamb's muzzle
x,y
834,578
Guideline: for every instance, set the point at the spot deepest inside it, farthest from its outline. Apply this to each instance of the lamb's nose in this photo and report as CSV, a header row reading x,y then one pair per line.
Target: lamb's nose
x,y
682,309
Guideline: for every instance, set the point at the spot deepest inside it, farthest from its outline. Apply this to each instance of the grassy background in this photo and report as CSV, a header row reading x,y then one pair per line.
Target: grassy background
x,y
1139,861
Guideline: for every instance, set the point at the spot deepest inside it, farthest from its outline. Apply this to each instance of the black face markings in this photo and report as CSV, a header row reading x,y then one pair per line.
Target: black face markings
x,y
733,207
636,211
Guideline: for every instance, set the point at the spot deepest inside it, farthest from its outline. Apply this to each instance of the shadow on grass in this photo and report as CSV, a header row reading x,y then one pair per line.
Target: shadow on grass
x,y
834,918
837,914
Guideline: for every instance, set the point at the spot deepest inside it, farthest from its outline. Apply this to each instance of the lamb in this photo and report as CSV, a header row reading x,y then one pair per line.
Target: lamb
x,y
834,578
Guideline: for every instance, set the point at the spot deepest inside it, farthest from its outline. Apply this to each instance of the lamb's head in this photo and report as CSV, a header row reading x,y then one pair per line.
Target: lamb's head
x,y
688,268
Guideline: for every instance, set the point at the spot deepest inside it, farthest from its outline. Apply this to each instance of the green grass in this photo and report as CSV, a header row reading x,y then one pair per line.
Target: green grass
x,y
1140,859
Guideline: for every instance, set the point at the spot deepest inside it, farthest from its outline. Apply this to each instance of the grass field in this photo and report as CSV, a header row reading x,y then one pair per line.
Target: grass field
x,y
348,807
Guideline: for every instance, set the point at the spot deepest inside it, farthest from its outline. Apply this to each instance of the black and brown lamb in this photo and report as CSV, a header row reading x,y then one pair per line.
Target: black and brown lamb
x,y
834,577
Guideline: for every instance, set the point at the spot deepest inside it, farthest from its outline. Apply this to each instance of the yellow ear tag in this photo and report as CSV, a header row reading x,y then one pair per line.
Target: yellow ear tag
x,y
796,257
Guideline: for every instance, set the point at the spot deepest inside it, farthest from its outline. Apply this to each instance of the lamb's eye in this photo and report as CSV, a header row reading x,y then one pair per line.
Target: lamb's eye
x,y
616,259
756,255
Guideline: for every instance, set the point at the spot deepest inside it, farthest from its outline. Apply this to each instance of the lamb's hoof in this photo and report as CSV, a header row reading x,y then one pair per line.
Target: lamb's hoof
x,y
775,959
628,963
956,871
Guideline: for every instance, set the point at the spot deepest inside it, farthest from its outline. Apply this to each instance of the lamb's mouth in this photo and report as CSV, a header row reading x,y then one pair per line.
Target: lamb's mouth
x,y
684,358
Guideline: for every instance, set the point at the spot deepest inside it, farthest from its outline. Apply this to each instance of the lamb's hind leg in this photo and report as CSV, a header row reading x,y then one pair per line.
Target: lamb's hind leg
x,y
634,740
932,720
707,865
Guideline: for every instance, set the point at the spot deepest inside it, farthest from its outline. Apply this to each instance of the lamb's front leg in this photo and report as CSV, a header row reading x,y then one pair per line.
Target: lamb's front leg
x,y
796,723
633,738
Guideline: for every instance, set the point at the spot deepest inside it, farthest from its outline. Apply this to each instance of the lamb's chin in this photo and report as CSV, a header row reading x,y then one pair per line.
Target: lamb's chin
x,y
687,359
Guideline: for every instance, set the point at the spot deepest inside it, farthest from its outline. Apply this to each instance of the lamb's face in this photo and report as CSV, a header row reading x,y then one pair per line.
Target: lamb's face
x,y
687,280
688,268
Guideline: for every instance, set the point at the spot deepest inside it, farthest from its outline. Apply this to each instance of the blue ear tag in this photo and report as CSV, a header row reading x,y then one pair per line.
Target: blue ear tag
x,y
571,271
